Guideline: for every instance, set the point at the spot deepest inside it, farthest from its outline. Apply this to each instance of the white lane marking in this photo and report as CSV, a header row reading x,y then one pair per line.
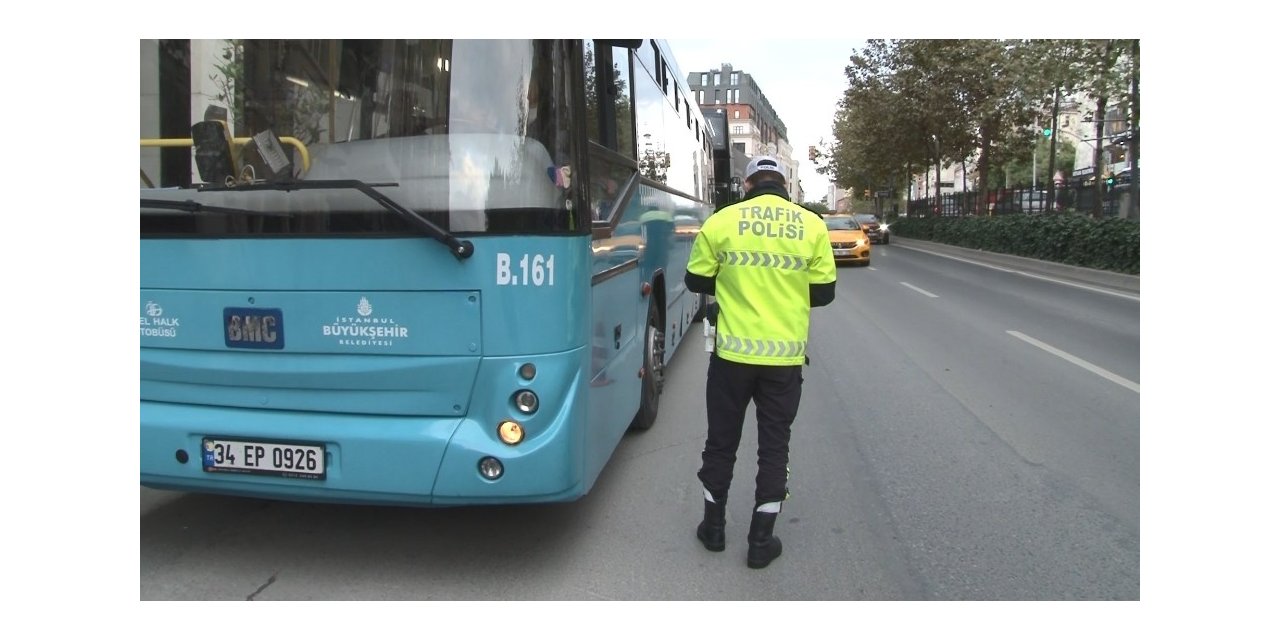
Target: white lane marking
x,y
872,268
1124,382
1029,275
911,286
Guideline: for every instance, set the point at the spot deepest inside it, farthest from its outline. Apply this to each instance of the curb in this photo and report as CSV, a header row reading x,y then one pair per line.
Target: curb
x,y
1098,277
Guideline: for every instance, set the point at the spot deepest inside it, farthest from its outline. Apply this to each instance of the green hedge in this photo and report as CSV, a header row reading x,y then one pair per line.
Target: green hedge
x,y
1111,244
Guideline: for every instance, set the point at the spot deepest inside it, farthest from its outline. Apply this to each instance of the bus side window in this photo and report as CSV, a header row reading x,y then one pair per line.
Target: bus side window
x,y
590,68
610,119
623,112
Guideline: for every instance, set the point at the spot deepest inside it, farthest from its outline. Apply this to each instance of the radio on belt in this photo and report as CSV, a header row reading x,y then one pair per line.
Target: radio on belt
x,y
709,327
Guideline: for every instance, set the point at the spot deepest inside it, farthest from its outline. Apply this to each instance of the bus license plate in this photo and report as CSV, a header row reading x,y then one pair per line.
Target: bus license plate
x,y
281,459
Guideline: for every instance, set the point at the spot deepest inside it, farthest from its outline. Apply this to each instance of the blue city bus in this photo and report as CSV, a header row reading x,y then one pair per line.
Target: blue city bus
x,y
728,163
410,272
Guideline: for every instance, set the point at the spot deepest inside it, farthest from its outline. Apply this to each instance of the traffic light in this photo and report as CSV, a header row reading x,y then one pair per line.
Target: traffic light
x,y
866,193
813,154
1048,132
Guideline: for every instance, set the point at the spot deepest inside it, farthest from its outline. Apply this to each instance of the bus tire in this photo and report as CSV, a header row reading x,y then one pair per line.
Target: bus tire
x,y
651,378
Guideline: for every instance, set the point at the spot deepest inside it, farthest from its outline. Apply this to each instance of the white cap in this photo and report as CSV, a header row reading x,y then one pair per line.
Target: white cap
x,y
763,163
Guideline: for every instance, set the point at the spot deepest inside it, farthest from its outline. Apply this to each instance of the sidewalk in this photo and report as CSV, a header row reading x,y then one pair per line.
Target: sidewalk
x,y
1110,279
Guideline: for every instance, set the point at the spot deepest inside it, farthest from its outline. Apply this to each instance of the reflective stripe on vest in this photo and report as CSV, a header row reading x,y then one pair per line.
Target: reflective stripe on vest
x,y
762,259
768,348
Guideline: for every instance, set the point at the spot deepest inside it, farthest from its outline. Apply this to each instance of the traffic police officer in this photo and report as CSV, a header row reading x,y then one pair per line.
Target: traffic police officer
x,y
767,261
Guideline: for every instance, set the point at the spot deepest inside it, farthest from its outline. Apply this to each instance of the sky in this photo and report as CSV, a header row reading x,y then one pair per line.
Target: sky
x,y
802,78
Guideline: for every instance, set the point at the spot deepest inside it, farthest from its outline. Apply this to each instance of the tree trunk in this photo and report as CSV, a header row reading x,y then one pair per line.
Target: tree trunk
x,y
1133,159
1098,187
910,186
984,170
937,186
1053,154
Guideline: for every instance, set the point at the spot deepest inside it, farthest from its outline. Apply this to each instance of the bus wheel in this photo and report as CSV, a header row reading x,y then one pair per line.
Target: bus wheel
x,y
651,381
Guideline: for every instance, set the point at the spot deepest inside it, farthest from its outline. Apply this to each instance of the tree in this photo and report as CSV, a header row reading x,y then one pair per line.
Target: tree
x,y
1108,81
1019,169
817,207
254,99
888,119
1058,63
1000,90
933,73
926,102
871,141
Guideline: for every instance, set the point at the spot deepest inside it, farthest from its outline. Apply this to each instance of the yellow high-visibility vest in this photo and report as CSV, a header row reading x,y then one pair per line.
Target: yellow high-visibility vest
x,y
764,253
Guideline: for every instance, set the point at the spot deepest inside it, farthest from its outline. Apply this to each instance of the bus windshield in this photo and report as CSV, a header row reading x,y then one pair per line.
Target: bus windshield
x,y
470,135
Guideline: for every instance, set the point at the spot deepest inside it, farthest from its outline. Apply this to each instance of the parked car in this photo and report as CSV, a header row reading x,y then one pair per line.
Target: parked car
x,y
849,243
876,230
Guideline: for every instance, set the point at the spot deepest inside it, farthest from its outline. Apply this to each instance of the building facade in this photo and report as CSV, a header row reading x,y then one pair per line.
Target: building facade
x,y
839,200
1076,125
754,126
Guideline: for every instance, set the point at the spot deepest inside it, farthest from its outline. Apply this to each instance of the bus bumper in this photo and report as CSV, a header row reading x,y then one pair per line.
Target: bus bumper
x,y
389,460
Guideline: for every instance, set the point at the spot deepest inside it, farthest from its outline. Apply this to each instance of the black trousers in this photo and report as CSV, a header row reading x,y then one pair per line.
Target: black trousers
x,y
731,386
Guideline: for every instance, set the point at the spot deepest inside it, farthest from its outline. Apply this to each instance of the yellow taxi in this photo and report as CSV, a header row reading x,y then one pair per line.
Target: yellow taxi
x,y
849,243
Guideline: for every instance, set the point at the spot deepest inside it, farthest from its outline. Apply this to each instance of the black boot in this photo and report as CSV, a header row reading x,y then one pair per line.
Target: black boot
x,y
762,545
711,530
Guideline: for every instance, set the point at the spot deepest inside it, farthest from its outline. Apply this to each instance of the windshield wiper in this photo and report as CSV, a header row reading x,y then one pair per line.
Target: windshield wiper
x,y
459,248
191,206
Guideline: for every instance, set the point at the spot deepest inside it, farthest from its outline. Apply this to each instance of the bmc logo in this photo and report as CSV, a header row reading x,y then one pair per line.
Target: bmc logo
x,y
252,328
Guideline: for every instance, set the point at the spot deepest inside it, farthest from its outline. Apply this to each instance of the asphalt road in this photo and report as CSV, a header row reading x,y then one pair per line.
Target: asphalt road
x,y
967,432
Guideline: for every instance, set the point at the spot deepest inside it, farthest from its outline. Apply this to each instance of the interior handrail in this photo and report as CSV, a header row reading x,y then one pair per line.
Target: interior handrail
x,y
187,142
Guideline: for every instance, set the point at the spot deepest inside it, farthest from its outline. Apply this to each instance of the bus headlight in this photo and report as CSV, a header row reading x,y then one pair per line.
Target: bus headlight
x,y
490,468
526,401
510,432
